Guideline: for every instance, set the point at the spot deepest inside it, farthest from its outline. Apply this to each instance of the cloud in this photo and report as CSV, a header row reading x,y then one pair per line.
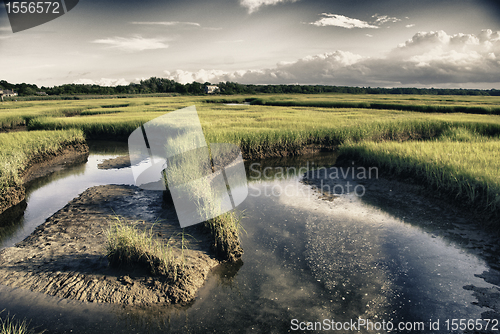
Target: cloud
x,y
342,21
168,23
132,44
427,59
381,19
306,70
102,82
254,5
436,57
409,25
338,20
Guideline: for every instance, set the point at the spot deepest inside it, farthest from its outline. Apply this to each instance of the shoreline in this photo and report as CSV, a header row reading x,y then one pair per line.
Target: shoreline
x,y
42,165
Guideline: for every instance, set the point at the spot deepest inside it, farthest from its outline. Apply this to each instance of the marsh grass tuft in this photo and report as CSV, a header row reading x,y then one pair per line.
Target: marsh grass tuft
x,y
225,230
128,245
461,135
10,325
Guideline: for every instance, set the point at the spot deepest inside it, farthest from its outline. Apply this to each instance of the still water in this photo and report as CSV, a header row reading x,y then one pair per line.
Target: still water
x,y
306,259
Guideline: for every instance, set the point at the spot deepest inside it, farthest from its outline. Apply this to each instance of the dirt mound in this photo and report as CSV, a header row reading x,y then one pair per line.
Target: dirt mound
x,y
65,256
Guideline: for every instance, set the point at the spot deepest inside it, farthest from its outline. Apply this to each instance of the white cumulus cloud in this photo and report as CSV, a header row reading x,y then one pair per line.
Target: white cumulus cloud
x,y
310,69
342,21
254,5
102,82
381,19
438,58
428,58
132,44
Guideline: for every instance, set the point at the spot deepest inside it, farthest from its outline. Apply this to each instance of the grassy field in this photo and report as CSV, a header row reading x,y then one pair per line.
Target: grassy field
x,y
260,128
378,128
417,103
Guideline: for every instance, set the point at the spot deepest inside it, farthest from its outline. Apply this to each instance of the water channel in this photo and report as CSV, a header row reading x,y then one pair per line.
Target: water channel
x,y
307,258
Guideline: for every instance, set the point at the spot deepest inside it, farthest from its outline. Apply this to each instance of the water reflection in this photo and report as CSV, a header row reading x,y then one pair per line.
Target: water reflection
x,y
420,244
380,256
9,220
44,196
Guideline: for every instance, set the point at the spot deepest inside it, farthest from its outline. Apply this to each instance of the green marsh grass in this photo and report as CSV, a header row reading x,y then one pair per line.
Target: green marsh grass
x,y
417,103
285,124
260,129
225,230
11,325
461,164
190,176
129,245
18,149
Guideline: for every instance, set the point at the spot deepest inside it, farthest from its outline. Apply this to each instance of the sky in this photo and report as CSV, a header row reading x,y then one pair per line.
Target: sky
x,y
383,43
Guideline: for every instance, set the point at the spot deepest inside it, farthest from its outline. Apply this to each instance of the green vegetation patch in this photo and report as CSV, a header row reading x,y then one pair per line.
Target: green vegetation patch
x,y
417,103
460,163
21,149
265,130
225,230
11,325
130,246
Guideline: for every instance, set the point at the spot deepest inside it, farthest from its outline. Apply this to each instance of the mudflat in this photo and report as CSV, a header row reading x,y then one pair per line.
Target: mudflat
x,y
65,256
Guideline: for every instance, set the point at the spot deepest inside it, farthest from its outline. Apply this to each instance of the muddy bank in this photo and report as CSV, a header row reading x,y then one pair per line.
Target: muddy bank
x,y
258,154
65,256
122,161
248,155
40,166
14,129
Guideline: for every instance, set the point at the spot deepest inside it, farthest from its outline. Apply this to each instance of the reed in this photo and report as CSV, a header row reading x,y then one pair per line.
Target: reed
x,y
11,325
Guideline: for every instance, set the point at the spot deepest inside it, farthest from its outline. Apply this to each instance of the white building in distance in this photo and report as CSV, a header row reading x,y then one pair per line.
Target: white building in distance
x,y
211,89
7,93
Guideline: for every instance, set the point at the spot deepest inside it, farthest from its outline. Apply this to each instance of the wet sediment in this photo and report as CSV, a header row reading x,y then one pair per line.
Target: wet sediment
x,y
65,256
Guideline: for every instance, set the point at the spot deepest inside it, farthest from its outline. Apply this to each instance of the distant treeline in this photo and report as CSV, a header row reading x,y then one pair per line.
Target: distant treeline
x,y
159,85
